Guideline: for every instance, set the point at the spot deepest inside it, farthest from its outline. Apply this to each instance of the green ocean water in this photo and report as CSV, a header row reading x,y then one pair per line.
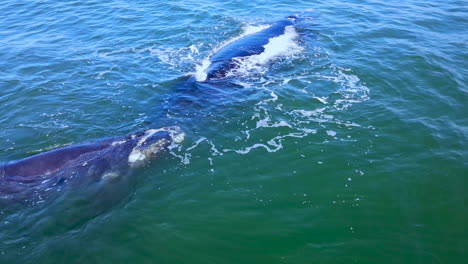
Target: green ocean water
x,y
352,149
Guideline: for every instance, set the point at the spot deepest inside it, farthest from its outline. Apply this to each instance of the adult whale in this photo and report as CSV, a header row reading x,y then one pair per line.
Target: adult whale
x,y
225,59
98,161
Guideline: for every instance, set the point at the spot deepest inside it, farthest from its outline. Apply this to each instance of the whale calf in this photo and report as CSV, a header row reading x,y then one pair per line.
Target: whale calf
x,y
101,160
225,59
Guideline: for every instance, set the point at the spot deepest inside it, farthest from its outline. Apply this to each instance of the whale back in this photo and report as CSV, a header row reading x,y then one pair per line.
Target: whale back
x,y
252,44
52,161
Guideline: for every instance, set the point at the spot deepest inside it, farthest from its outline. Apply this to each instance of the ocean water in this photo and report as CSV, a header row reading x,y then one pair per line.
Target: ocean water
x,y
346,142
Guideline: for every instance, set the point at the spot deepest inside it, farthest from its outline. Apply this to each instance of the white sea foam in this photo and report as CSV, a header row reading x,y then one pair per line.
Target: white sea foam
x,y
181,59
185,155
196,143
273,98
271,114
200,70
273,145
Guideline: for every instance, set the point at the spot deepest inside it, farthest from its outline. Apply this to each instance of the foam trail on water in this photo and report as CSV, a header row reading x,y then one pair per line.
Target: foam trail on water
x,y
273,145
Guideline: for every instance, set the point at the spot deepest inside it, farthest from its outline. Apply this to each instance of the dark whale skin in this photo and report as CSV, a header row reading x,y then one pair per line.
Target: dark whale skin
x,y
96,161
252,44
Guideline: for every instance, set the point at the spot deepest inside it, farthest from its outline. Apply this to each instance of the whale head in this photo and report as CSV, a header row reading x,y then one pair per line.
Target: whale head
x,y
150,143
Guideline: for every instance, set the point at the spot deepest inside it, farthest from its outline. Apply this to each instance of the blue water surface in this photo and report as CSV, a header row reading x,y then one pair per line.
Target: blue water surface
x,y
352,149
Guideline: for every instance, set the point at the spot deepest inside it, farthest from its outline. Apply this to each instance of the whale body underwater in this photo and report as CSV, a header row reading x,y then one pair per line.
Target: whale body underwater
x,y
108,159
100,160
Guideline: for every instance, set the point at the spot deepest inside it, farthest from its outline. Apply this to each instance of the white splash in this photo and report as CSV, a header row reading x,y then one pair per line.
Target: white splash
x,y
200,70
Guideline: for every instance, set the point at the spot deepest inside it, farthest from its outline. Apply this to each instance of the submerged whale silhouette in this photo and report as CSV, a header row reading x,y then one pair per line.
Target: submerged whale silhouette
x,y
101,160
225,59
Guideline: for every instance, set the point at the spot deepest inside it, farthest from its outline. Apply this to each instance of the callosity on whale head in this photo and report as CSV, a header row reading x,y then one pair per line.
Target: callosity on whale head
x,y
151,142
